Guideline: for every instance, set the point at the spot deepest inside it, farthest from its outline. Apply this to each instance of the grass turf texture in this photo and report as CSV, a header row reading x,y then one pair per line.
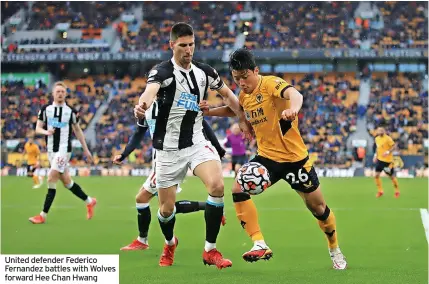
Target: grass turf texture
x,y
383,239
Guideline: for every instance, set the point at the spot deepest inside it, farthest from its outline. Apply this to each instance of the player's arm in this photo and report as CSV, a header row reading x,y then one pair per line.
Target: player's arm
x,y
40,129
155,80
40,125
232,101
282,89
146,99
80,136
224,111
133,143
291,94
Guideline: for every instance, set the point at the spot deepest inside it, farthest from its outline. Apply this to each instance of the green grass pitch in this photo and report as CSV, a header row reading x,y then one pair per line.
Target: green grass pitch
x,y
383,239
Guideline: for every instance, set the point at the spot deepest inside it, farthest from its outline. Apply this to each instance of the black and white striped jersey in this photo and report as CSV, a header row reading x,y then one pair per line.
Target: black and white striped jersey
x,y
150,118
179,120
61,118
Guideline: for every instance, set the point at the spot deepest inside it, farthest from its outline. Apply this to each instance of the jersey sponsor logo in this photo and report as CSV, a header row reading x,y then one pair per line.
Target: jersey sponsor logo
x,y
255,116
188,102
254,113
53,121
258,121
279,85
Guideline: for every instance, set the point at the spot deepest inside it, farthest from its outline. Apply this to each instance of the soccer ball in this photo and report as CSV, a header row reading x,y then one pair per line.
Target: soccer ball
x,y
253,178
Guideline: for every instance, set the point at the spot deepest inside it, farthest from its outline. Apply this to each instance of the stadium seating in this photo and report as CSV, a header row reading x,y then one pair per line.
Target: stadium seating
x,y
96,14
405,25
310,25
153,34
399,104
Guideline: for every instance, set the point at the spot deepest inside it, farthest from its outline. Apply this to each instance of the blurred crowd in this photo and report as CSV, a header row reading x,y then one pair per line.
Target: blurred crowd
x,y
271,25
400,104
327,118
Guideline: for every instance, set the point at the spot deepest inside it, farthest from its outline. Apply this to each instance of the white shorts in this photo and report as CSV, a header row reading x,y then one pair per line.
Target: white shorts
x,y
59,161
172,166
150,184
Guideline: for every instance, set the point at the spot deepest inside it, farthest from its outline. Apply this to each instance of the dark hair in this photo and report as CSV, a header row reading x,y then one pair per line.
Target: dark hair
x,y
242,59
179,30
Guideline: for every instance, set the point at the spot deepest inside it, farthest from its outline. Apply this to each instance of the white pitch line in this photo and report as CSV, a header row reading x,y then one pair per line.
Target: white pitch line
x,y
303,208
425,219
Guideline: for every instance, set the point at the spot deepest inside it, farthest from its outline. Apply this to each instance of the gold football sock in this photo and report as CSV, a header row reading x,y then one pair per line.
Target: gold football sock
x,y
378,183
328,225
395,184
248,215
35,180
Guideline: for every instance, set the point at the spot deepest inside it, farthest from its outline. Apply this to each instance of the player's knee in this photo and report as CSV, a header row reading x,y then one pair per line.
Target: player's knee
x,y
216,187
317,207
236,188
52,179
67,182
143,196
315,202
166,210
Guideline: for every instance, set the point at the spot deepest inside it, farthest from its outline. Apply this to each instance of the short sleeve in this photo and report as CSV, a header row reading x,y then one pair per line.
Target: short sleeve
x,y
214,80
42,114
160,73
74,117
276,86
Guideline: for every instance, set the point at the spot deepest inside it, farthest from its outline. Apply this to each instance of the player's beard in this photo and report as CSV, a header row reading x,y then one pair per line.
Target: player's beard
x,y
186,60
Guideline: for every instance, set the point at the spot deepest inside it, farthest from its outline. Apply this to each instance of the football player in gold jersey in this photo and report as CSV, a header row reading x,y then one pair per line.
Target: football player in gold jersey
x,y
271,106
33,156
383,159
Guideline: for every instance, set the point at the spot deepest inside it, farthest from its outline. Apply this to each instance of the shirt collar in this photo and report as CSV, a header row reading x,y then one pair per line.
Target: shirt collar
x,y
181,68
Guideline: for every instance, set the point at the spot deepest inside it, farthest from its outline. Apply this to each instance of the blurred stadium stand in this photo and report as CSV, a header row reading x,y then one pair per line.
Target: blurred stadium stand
x,y
358,64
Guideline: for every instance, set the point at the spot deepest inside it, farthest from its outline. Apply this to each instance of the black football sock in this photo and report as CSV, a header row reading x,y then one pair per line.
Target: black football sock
x,y
186,206
49,199
77,190
213,216
143,221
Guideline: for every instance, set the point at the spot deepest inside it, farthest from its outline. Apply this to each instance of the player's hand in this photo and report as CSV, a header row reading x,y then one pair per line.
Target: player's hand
x,y
117,159
88,156
374,160
204,107
139,111
385,154
247,129
289,114
50,132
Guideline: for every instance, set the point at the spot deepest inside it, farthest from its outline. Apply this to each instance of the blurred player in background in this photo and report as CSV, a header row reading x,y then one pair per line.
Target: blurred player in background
x,y
272,105
148,189
56,121
33,162
237,142
383,160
